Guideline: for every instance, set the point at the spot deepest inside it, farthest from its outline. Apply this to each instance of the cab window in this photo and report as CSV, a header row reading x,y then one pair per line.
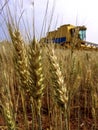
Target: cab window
x,y
82,34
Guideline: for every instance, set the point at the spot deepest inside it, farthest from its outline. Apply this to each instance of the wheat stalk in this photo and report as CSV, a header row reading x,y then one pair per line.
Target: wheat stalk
x,y
59,86
21,64
37,79
90,83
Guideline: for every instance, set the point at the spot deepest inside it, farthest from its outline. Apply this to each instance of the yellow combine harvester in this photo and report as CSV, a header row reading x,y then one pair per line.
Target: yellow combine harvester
x,y
67,35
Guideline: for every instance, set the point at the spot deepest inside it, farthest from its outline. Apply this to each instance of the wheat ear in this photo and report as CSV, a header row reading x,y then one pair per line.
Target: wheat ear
x,y
21,58
37,79
58,79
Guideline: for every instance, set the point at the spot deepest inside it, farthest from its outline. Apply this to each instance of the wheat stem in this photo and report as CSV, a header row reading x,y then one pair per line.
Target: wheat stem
x,y
59,87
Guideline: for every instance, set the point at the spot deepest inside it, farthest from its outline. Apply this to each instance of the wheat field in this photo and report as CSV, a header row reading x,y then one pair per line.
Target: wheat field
x,y
47,87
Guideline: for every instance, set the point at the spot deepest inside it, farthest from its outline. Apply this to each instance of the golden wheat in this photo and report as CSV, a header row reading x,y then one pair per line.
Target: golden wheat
x,y
5,93
21,58
36,83
60,91
36,70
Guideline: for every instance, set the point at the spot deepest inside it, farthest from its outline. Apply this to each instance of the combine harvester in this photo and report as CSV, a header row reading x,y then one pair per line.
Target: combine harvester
x,y
69,36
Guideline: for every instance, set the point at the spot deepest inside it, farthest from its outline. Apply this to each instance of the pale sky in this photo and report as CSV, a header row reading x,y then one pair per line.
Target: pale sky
x,y
75,12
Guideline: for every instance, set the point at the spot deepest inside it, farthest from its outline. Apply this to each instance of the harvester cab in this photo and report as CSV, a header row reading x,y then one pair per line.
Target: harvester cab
x,y
78,35
82,33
